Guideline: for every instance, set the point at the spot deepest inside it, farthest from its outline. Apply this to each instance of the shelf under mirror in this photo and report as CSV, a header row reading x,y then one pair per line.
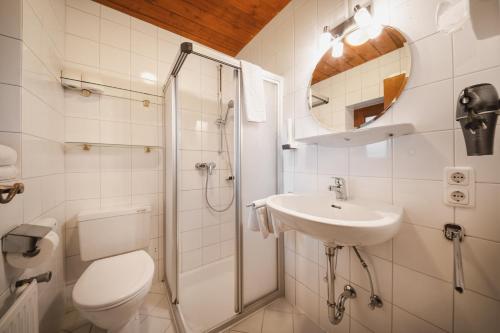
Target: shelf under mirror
x,y
358,137
89,145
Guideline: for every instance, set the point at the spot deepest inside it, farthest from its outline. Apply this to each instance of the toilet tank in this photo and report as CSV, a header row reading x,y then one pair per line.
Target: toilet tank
x,y
115,230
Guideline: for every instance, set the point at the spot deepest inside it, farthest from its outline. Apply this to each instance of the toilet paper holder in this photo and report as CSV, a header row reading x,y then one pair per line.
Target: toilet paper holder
x,y
23,239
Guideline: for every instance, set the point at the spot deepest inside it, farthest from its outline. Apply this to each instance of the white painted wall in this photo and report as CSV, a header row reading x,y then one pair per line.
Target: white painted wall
x,y
32,122
413,272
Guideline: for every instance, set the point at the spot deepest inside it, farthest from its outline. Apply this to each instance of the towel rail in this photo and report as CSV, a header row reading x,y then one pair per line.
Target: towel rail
x,y
8,192
254,205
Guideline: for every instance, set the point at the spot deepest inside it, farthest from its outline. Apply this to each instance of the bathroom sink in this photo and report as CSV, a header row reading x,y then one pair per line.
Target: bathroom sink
x,y
335,222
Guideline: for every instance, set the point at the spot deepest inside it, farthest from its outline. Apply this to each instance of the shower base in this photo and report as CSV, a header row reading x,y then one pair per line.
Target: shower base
x,y
206,295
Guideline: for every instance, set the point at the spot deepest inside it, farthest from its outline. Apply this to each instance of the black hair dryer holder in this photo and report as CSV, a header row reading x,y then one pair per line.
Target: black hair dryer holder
x,y
477,111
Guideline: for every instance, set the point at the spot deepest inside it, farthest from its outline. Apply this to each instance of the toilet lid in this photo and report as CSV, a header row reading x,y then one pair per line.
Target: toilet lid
x,y
114,280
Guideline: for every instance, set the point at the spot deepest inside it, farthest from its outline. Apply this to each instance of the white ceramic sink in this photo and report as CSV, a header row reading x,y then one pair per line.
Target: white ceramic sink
x,y
349,223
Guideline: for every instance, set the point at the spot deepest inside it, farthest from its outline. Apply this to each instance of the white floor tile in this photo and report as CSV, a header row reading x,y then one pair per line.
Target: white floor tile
x,y
252,324
277,322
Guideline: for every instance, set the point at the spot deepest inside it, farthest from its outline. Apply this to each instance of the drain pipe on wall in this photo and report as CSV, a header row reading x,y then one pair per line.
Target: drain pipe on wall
x,y
335,309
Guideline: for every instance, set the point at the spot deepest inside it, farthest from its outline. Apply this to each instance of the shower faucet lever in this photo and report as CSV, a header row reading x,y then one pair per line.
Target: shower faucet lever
x,y
455,233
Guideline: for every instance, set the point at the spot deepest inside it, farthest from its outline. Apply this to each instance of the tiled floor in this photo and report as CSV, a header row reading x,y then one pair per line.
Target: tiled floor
x,y
154,316
278,317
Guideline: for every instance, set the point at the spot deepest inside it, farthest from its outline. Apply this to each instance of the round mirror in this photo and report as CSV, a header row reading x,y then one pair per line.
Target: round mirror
x,y
353,84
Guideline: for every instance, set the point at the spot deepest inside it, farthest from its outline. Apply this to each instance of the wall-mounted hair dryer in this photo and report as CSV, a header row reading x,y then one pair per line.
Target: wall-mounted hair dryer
x,y
477,111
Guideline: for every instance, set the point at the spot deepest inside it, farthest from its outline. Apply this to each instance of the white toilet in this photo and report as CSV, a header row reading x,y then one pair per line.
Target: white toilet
x,y
111,290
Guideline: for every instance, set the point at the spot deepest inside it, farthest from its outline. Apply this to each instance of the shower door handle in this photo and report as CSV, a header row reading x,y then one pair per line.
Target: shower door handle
x,y
454,233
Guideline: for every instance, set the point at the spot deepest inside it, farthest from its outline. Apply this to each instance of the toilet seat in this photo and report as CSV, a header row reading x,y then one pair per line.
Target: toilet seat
x,y
112,281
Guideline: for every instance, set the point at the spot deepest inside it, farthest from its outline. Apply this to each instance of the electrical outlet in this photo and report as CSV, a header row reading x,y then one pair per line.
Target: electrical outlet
x,y
458,176
458,196
459,186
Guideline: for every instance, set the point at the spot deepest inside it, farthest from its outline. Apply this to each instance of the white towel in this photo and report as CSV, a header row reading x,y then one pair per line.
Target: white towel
x,y
8,172
253,92
8,156
258,218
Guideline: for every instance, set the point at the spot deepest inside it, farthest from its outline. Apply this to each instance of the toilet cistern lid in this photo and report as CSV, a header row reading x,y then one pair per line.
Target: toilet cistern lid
x,y
111,281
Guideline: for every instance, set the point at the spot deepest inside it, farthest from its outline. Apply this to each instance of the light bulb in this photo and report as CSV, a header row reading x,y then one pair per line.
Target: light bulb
x,y
325,38
362,16
337,48
374,30
357,37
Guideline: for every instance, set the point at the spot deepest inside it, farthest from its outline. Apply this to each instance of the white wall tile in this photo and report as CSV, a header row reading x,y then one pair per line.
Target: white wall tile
x,y
115,184
431,60
115,132
436,98
115,16
82,186
414,18
81,51
370,188
468,51
423,156
480,274
144,45
88,6
377,321
307,301
82,24
114,59
307,273
482,219
381,272
10,96
10,61
481,317
435,253
404,322
428,298
115,34
371,160
75,105
422,202
10,18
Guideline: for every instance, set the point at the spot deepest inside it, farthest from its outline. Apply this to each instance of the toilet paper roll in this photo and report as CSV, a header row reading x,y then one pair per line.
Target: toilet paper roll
x,y
47,246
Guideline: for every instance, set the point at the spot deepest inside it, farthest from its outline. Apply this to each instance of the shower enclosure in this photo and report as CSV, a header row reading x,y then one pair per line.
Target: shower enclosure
x,y
216,271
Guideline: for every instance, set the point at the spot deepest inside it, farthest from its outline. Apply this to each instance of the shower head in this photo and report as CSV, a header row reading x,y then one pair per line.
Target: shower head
x,y
230,105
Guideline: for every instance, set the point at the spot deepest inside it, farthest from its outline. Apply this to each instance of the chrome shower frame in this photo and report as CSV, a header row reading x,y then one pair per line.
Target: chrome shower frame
x,y
241,310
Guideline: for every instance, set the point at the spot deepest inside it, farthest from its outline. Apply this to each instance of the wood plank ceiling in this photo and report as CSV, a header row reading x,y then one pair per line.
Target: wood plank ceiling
x,y
224,25
389,40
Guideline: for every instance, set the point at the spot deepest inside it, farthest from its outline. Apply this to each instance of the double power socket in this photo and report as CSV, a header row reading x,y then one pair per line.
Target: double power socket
x,y
459,186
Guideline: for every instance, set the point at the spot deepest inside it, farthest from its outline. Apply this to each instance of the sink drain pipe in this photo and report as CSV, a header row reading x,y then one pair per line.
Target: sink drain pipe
x,y
335,309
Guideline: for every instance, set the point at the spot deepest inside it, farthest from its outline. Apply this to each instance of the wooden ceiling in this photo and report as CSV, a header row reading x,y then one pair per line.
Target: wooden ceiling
x,y
224,25
389,40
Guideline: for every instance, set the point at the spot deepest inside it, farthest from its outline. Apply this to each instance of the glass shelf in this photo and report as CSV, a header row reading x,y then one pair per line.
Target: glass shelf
x,y
87,88
89,145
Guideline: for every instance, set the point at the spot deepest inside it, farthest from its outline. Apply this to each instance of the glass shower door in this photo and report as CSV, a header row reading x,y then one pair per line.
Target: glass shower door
x,y
206,219
170,183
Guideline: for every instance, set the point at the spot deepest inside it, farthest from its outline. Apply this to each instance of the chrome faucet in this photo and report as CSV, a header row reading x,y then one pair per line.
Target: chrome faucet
x,y
339,188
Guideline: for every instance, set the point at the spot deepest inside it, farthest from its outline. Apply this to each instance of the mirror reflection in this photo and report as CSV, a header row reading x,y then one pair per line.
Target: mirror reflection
x,y
353,84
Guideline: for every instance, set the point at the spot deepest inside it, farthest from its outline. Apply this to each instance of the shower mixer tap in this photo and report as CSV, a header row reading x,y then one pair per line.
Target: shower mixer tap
x,y
210,166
